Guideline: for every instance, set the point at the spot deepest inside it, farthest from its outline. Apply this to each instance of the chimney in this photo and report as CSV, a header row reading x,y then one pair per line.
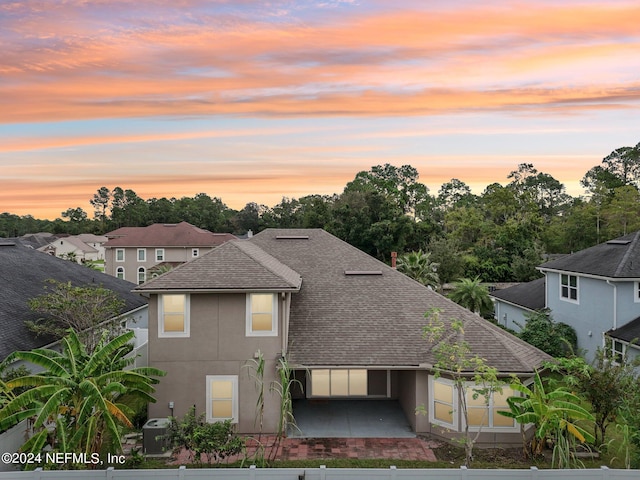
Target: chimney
x,y
394,256
249,233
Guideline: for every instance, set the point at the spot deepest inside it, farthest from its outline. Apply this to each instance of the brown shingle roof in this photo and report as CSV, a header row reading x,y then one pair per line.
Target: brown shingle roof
x,y
166,235
339,319
235,265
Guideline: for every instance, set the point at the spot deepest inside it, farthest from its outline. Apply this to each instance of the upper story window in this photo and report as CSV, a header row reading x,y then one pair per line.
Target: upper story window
x,y
120,273
262,314
195,252
159,254
569,287
173,315
119,254
142,254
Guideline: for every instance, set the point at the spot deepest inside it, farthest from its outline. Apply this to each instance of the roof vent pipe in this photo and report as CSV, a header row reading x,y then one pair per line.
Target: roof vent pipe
x,y
394,257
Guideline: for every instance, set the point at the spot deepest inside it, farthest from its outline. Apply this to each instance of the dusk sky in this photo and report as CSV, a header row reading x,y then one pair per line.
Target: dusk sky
x,y
252,101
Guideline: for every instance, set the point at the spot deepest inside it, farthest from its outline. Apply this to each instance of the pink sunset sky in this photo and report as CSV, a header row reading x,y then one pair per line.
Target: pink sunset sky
x,y
252,101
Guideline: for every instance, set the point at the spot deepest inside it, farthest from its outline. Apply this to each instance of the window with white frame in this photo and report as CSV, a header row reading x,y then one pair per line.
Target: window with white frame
x,y
142,275
569,287
159,254
120,273
195,252
443,402
618,350
262,314
142,254
222,398
339,382
482,411
119,254
173,315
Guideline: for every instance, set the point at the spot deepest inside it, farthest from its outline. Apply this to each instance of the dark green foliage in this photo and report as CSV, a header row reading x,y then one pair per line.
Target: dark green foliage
x,y
556,339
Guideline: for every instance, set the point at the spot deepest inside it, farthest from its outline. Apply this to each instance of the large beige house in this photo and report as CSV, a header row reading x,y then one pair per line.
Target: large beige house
x,y
349,325
135,253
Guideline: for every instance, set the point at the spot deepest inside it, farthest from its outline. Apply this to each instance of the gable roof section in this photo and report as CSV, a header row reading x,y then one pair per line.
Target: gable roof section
x,y
23,272
529,295
235,265
373,320
618,258
181,234
630,332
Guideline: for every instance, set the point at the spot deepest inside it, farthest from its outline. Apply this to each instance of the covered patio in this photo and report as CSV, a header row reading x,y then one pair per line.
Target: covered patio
x,y
329,418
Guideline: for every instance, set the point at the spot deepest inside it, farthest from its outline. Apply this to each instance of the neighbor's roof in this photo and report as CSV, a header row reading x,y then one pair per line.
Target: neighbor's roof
x,y
629,332
235,265
530,295
618,258
181,234
373,316
75,241
23,273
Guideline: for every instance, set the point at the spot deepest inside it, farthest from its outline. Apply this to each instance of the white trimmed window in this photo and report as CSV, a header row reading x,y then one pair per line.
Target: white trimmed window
x,y
142,254
173,315
339,382
120,273
262,314
142,275
119,254
222,398
443,402
618,350
569,288
195,252
159,254
483,412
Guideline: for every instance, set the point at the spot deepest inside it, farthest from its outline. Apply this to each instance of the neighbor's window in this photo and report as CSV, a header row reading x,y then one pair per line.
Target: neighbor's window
x,y
142,275
120,273
159,254
173,315
569,287
618,349
262,314
119,254
483,412
442,402
142,254
338,382
222,398
195,252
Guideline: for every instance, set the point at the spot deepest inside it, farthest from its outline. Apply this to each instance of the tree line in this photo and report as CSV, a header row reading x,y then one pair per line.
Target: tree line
x,y
499,235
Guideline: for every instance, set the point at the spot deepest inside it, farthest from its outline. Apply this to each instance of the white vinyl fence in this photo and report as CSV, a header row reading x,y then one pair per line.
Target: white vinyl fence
x,y
323,473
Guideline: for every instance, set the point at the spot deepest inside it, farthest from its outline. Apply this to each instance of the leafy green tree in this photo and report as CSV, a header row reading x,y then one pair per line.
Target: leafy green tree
x,y
541,331
446,252
419,266
472,295
622,214
81,308
607,384
555,415
456,361
624,162
523,267
76,399
101,202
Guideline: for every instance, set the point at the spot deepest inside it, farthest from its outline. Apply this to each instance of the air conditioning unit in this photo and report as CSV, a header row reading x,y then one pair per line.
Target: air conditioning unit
x,y
153,432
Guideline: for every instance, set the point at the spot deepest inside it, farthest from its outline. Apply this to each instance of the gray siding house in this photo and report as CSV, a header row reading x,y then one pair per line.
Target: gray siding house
x,y
349,325
596,291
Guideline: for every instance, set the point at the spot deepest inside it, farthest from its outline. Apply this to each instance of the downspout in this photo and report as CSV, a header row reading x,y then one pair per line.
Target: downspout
x,y
285,321
615,304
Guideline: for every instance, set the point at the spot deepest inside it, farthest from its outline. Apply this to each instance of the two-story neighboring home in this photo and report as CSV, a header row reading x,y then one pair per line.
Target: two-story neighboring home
x,y
350,326
132,252
81,248
596,291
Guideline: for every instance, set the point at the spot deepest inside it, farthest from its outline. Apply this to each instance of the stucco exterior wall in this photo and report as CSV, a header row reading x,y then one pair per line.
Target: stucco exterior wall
x,y
217,345
509,315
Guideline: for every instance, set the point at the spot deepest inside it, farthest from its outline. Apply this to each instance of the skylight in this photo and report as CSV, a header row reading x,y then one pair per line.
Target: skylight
x,y
618,242
363,272
292,237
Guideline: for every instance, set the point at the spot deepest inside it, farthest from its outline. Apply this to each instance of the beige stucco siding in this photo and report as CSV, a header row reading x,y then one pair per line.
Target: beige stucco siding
x,y
217,345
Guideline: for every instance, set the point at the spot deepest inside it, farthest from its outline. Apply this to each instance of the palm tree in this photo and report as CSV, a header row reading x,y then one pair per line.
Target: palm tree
x,y
78,393
472,295
418,265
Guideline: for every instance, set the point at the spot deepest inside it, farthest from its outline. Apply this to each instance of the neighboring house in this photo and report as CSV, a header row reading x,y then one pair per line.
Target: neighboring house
x,y
349,325
81,248
23,276
596,291
513,303
132,251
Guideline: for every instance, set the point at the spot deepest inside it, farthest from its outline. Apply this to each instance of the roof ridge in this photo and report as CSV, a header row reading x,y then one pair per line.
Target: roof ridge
x,y
237,243
627,254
